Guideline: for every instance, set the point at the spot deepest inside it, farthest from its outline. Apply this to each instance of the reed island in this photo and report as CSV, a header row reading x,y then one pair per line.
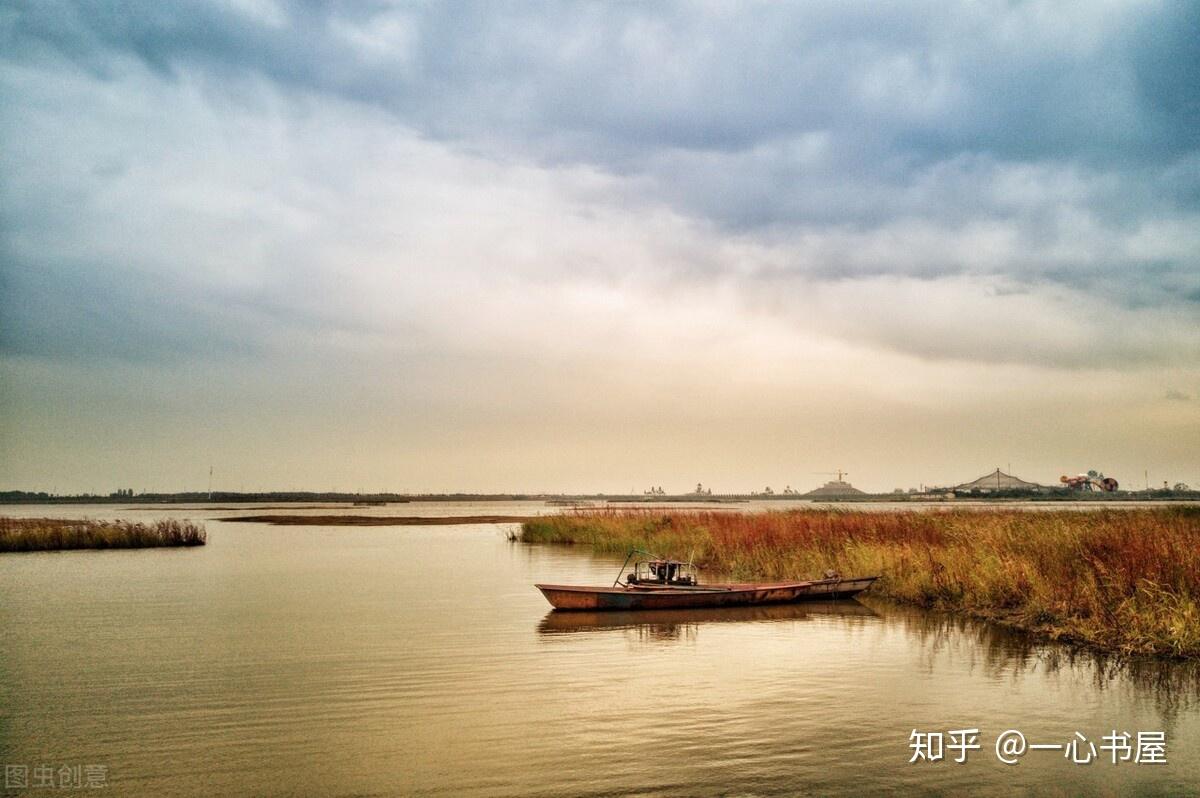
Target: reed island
x,y
1125,581
54,534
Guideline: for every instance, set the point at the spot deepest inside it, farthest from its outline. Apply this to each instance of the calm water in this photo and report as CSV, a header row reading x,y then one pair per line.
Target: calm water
x,y
420,660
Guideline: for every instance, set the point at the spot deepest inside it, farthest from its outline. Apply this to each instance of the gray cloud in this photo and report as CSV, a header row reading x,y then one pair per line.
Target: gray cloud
x,y
82,313
363,189
1022,81
163,159
1073,129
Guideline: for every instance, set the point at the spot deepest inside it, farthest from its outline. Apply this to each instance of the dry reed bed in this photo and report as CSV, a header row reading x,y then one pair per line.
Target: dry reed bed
x,y
1121,580
52,534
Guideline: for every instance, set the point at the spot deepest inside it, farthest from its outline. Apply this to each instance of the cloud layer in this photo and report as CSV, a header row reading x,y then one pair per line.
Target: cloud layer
x,y
482,221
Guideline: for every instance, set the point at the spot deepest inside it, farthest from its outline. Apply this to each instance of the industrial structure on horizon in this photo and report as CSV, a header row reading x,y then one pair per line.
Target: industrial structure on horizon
x,y
998,481
834,488
995,484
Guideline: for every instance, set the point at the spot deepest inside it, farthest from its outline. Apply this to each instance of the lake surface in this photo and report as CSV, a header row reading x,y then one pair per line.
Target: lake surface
x,y
417,660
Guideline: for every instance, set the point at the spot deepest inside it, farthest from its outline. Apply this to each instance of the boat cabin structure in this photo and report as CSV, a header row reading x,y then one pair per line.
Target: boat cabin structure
x,y
662,572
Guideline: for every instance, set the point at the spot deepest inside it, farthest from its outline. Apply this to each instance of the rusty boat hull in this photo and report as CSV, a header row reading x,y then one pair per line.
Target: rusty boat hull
x,y
660,597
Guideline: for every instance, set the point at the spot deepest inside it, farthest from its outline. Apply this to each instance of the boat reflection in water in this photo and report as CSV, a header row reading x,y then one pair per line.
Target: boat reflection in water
x,y
677,624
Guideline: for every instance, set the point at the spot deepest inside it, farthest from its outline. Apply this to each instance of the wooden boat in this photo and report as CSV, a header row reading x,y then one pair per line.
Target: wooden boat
x,y
661,584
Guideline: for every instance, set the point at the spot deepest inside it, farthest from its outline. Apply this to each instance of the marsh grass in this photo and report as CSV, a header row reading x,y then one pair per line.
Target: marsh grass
x,y
1121,580
53,534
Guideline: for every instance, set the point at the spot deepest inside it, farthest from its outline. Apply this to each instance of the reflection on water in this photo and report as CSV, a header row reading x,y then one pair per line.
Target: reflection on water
x,y
1001,653
421,661
665,625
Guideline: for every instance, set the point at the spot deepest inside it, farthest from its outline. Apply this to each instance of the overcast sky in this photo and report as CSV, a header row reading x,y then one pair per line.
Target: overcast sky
x,y
595,247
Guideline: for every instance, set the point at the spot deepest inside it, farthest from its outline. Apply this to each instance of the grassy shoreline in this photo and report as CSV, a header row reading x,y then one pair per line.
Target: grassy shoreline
x,y
59,534
1126,581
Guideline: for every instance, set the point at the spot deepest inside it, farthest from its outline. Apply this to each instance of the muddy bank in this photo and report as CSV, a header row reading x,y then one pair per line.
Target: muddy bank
x,y
377,520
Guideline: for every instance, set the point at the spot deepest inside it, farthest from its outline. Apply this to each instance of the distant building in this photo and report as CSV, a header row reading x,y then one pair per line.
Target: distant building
x,y
834,489
996,482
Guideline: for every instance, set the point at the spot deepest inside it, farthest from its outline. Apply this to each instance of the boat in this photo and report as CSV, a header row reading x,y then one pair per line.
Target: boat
x,y
664,584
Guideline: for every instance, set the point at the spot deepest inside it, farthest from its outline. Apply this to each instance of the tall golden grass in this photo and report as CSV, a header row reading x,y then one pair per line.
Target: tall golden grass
x,y
50,534
1121,580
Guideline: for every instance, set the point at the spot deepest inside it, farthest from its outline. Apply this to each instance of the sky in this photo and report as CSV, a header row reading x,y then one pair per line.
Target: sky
x,y
584,247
